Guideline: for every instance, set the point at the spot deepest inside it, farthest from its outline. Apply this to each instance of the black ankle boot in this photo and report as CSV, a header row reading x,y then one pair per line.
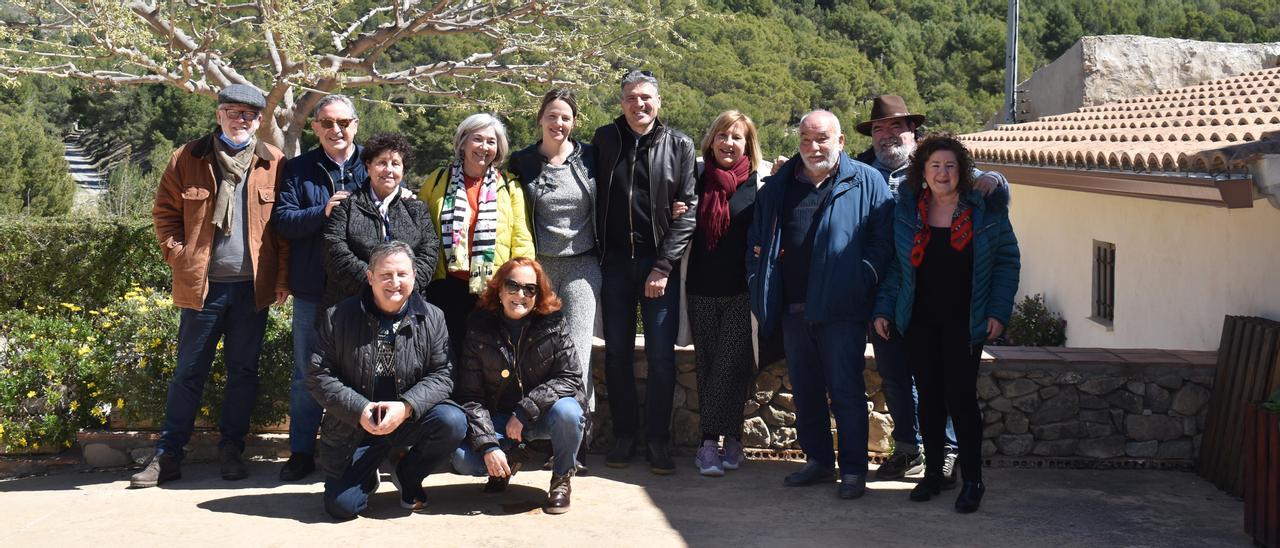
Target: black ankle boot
x,y
970,497
928,487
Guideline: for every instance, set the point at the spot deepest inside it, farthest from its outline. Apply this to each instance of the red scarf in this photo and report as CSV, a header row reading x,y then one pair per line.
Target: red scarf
x,y
718,184
961,228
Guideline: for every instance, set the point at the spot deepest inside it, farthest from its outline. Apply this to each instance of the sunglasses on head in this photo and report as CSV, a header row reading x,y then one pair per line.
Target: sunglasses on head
x,y
529,290
343,123
645,73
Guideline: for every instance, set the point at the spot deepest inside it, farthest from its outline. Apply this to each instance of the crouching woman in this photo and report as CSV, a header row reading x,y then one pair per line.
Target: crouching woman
x,y
519,383
381,371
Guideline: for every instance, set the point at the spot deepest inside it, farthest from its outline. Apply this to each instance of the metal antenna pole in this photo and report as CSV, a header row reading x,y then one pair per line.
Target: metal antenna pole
x,y
1011,66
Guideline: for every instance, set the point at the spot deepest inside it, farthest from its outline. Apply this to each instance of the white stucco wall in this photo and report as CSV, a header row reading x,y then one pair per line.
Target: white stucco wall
x,y
1179,268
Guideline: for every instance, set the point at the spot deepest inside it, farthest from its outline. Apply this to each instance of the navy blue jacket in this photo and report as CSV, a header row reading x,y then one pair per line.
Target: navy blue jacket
x,y
852,246
299,215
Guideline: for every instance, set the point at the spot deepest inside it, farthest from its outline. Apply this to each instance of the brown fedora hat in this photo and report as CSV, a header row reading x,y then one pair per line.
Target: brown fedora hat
x,y
886,107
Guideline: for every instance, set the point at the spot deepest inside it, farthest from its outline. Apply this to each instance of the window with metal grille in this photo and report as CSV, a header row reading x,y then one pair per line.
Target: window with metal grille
x,y
1104,282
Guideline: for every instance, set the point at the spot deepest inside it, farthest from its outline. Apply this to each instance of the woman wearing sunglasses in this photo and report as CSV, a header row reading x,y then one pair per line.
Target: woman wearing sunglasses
x,y
519,382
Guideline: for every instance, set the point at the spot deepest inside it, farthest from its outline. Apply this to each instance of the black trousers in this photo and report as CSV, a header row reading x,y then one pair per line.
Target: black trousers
x,y
453,297
945,366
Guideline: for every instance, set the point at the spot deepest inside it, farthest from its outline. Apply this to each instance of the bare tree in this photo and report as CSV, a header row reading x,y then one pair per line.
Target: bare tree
x,y
297,51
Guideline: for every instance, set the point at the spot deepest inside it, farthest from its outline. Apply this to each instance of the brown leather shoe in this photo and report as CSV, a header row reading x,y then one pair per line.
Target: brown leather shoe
x,y
558,496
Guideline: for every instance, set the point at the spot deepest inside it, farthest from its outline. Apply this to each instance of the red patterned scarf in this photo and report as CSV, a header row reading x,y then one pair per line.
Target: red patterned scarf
x,y
718,184
961,228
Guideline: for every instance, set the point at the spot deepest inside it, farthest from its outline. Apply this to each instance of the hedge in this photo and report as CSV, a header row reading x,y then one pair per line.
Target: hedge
x,y
92,262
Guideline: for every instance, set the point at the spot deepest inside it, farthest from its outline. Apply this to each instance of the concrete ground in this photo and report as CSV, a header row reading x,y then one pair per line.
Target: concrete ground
x,y
631,507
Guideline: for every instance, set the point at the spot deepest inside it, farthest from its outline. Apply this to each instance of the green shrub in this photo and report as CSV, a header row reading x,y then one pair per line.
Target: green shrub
x,y
1033,324
44,262
67,367
48,368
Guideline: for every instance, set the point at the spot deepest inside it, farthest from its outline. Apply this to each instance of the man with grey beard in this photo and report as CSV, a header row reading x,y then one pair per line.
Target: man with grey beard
x,y
894,131
818,245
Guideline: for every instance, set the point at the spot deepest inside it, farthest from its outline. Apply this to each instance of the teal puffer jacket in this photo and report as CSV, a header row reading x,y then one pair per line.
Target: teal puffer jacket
x,y
996,263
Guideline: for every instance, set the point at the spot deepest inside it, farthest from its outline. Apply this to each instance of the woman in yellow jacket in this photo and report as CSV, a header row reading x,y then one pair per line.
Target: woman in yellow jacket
x,y
481,217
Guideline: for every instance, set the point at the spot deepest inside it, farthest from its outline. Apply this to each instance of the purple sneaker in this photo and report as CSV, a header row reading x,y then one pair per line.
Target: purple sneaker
x,y
733,456
708,460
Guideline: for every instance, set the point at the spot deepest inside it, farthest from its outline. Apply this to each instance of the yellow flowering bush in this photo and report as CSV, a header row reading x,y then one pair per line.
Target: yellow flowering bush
x,y
64,367
44,377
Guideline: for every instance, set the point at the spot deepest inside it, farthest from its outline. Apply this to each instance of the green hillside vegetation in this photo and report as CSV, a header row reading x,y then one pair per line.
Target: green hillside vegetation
x,y
774,60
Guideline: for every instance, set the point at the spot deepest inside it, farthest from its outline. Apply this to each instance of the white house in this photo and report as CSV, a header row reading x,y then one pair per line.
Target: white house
x,y
1145,220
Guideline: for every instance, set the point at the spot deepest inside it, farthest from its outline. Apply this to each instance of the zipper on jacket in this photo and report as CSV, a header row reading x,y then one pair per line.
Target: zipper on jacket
x,y
653,204
631,200
515,360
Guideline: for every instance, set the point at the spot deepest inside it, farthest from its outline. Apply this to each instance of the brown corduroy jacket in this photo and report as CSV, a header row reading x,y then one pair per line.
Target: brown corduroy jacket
x,y
183,218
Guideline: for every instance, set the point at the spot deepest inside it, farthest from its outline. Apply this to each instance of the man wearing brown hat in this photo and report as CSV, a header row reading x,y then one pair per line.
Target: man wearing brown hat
x,y
211,214
893,130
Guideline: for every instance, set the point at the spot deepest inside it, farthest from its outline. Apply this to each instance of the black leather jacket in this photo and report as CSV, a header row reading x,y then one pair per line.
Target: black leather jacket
x,y
671,179
341,373
541,368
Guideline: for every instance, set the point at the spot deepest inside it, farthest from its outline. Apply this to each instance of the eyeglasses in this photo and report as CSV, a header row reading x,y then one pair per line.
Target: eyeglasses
x,y
343,123
243,115
529,290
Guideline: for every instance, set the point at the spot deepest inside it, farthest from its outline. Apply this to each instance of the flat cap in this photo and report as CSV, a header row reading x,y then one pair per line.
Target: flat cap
x,y
245,95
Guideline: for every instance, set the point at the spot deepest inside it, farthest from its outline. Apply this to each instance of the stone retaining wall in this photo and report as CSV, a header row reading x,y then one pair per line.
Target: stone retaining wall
x,y
1038,403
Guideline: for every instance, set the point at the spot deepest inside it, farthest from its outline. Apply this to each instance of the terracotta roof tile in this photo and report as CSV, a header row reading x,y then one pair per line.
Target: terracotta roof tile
x,y
1214,127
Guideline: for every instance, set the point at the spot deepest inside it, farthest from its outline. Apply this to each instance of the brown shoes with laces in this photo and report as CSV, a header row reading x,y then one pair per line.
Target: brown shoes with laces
x,y
558,495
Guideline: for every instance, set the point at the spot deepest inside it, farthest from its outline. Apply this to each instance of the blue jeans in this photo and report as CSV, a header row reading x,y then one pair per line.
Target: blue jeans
x,y
430,439
563,424
304,410
827,359
624,280
900,393
230,313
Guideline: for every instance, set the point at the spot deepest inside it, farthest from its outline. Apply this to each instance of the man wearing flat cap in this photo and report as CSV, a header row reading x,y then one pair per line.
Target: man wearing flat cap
x,y
212,216
894,131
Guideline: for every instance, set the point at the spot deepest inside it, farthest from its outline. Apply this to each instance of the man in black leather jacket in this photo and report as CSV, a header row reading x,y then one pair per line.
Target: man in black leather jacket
x,y
642,168
381,371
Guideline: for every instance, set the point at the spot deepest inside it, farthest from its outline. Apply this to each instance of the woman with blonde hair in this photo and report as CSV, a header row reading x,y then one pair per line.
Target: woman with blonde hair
x,y
716,287
481,218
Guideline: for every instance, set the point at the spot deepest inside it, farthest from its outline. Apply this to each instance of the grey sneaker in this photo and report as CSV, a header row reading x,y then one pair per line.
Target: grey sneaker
x,y
708,460
949,470
899,465
733,454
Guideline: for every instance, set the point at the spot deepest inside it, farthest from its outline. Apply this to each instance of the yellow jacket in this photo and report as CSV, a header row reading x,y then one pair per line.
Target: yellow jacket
x,y
513,236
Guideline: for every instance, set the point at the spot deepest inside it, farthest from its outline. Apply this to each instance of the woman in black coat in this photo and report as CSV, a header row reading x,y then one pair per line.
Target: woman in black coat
x,y
519,381
379,212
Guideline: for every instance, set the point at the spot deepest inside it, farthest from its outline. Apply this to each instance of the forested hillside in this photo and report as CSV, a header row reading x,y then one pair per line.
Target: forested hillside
x,y
773,60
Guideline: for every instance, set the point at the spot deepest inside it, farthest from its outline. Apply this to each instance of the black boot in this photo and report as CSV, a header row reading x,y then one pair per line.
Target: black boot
x,y
970,497
620,455
928,487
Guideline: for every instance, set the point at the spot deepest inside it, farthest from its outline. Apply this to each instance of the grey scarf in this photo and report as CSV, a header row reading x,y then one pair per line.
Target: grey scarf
x,y
233,169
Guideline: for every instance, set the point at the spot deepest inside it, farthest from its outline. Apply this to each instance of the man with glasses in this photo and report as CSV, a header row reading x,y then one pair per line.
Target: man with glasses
x,y
642,169
314,183
211,214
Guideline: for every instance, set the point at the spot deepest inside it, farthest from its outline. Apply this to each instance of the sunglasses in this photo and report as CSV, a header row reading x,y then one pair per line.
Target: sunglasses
x,y
328,124
243,115
529,290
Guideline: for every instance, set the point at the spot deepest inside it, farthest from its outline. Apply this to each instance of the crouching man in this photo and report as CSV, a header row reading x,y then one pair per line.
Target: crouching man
x,y
381,371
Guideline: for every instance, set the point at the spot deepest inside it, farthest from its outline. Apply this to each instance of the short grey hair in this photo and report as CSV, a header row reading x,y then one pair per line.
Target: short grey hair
x,y
834,118
639,77
481,122
331,99
385,250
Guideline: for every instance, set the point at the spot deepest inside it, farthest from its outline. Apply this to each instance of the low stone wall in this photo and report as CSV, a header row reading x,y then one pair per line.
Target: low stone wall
x,y
1039,404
